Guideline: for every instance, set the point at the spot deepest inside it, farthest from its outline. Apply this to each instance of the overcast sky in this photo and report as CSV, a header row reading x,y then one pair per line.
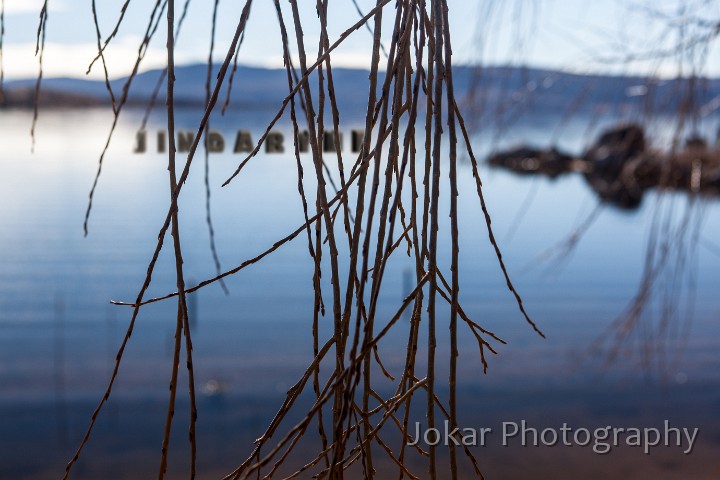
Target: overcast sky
x,y
574,35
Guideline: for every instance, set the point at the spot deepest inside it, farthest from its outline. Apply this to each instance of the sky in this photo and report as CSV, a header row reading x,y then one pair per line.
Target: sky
x,y
572,35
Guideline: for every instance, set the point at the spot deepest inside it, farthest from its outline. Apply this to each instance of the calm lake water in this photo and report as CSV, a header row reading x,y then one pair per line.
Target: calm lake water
x,y
59,334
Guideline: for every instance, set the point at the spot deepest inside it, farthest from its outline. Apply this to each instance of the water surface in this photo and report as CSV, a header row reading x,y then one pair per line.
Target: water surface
x,y
59,334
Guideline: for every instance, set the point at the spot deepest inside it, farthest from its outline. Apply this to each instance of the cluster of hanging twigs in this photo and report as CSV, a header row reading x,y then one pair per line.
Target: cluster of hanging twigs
x,y
415,96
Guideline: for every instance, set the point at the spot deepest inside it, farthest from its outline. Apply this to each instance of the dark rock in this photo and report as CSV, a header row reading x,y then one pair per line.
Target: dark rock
x,y
528,160
615,147
619,167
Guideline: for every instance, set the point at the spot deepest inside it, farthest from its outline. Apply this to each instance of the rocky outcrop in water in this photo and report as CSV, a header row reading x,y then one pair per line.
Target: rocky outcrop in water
x,y
620,167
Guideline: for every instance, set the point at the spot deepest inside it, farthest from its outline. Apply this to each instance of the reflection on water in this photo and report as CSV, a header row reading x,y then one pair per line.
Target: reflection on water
x,y
58,335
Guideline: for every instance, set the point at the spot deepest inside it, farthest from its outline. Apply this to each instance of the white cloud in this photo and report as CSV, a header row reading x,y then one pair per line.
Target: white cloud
x,y
72,60
13,7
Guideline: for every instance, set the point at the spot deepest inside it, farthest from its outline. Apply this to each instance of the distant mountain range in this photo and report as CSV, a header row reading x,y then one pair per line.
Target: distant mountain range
x,y
498,88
